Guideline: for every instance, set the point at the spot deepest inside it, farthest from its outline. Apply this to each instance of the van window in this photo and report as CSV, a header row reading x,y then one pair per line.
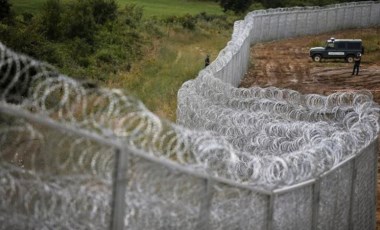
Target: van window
x,y
329,45
341,45
354,45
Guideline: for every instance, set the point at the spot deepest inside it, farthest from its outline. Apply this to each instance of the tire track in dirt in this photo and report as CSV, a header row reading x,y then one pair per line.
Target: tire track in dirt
x,y
286,64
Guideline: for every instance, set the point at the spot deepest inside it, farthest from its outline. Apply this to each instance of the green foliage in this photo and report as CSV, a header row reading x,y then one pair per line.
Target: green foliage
x,y
79,21
175,59
237,6
104,10
157,8
80,51
290,3
273,3
108,49
371,43
134,15
256,6
188,22
27,17
5,9
27,39
84,38
51,19
165,8
316,43
201,21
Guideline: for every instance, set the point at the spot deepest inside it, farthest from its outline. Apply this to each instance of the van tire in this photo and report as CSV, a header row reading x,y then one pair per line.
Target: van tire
x,y
350,58
317,58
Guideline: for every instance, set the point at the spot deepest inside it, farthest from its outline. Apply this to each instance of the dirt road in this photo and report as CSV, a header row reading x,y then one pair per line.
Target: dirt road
x,y
286,64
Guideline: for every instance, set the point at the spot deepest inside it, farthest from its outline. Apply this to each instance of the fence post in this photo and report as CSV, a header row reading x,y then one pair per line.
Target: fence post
x,y
353,176
285,28
296,32
119,190
336,18
261,27
307,22
370,16
375,152
270,212
378,10
268,36
204,211
315,203
317,24
344,19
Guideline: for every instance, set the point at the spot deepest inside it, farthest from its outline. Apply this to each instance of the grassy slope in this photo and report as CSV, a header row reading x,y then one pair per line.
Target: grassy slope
x,y
175,7
175,58
32,6
151,7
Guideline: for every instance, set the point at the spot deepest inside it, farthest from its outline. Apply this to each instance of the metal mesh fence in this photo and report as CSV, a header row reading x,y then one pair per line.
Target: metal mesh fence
x,y
273,24
52,179
77,156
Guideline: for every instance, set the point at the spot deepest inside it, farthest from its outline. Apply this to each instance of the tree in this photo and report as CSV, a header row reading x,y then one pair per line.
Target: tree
x,y
273,3
79,21
5,9
134,15
83,17
237,6
51,19
104,10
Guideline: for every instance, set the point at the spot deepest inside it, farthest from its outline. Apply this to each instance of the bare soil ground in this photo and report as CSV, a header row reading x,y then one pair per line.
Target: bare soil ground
x,y
286,64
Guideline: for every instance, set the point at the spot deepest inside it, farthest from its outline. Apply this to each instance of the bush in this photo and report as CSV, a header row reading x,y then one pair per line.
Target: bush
x,y
5,9
23,38
27,17
79,21
152,27
170,20
237,6
51,54
111,55
188,22
104,10
80,49
51,19
206,17
134,15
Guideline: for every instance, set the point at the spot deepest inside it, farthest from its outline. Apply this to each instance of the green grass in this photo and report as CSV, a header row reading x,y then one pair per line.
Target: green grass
x,y
169,59
174,60
32,6
175,7
157,8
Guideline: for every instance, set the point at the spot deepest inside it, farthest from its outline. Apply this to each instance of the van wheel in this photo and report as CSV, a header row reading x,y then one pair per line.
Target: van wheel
x,y
350,59
317,58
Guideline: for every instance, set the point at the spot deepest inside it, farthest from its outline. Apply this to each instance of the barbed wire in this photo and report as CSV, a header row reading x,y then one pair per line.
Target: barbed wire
x,y
254,132
261,137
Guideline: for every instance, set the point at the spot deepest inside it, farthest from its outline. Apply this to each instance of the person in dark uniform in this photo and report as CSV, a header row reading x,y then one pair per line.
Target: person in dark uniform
x,y
357,60
207,60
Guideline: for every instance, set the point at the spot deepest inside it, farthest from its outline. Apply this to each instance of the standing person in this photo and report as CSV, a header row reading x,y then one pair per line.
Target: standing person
x,y
207,60
357,60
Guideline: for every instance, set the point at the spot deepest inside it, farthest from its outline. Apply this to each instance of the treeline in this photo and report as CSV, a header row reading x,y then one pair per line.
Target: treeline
x,y
97,38
91,38
290,3
80,37
241,6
